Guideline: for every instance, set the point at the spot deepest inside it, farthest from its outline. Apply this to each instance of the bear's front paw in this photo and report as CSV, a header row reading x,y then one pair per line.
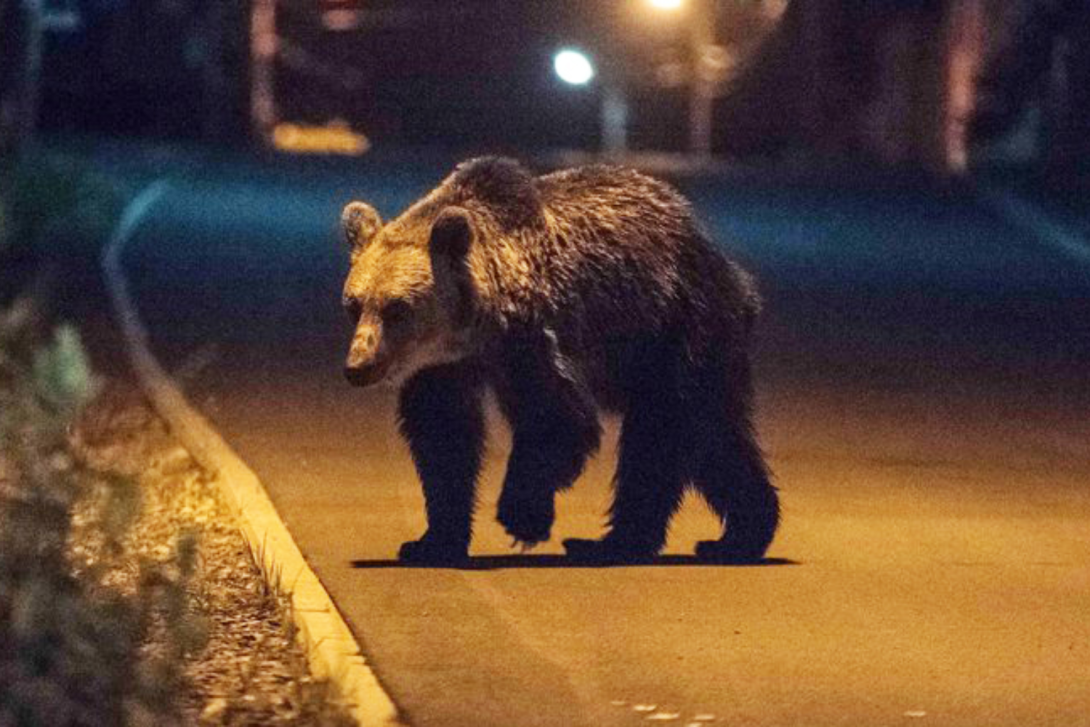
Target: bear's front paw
x,y
433,551
529,520
608,551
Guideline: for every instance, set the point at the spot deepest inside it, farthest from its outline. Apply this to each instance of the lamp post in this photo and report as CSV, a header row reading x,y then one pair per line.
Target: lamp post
x,y
20,107
575,68
702,87
709,64
263,48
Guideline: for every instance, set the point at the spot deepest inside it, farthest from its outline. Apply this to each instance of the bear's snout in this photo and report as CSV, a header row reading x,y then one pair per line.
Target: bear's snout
x,y
364,365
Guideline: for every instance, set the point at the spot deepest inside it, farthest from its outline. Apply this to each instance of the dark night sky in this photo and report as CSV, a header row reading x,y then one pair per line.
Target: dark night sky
x,y
430,72
457,76
474,74
459,73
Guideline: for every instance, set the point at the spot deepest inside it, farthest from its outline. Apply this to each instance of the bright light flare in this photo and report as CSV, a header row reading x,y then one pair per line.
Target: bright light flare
x,y
573,66
666,4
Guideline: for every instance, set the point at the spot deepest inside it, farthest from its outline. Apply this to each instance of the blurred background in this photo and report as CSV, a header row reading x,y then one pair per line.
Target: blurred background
x,y
907,181
936,84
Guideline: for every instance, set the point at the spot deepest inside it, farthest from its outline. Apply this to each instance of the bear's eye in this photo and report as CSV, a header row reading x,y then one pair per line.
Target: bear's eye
x,y
353,308
396,313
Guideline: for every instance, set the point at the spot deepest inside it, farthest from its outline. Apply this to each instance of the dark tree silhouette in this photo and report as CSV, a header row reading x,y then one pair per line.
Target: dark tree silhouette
x,y
1045,64
849,78
20,63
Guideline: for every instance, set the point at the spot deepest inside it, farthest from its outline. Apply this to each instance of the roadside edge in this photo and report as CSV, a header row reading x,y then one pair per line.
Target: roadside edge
x,y
1025,215
332,651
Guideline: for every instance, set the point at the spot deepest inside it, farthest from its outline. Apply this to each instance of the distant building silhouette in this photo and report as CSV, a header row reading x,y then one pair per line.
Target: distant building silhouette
x,y
902,82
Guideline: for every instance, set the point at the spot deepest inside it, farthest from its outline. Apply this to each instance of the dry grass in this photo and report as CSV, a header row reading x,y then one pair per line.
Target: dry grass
x,y
127,595
74,626
251,672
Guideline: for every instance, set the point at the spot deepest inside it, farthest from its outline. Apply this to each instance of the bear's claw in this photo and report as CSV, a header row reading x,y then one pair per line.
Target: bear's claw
x,y
527,521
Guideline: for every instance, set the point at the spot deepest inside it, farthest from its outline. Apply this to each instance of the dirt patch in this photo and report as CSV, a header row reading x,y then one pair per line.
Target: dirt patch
x,y
250,671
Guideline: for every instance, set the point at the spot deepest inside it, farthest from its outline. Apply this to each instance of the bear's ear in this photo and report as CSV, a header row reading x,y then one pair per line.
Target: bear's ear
x,y
452,233
359,223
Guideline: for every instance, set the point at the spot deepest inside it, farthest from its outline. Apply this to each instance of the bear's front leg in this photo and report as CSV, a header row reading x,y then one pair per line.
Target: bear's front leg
x,y
441,419
555,429
543,462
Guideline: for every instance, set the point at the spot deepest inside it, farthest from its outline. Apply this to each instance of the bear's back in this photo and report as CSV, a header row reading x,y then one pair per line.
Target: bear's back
x,y
627,245
595,253
603,197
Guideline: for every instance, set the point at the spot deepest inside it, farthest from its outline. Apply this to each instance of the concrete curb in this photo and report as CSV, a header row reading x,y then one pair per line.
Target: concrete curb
x,y
332,651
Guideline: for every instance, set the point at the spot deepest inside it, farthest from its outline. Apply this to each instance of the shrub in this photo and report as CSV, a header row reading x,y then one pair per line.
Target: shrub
x,y
72,633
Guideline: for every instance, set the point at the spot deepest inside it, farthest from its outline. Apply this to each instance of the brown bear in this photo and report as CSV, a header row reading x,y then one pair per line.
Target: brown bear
x,y
585,290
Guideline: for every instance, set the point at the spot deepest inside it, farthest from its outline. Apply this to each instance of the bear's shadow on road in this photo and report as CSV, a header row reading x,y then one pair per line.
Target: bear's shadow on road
x,y
515,561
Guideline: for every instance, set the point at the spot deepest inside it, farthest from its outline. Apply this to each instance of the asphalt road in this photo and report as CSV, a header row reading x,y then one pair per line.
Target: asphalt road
x,y
923,376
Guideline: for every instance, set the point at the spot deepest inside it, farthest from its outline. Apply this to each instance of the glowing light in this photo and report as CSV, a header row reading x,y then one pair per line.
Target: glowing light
x,y
666,4
334,138
573,67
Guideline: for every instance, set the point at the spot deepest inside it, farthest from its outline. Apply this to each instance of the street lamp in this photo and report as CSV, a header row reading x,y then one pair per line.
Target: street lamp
x,y
666,4
573,67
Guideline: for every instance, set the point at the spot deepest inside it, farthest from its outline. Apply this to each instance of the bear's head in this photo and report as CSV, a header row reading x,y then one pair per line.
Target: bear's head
x,y
408,291
424,286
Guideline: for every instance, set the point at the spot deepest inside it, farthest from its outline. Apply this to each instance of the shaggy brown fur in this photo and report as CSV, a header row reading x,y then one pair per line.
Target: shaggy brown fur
x,y
584,290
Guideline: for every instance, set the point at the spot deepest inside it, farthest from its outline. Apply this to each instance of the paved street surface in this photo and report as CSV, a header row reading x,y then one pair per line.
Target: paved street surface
x,y
924,378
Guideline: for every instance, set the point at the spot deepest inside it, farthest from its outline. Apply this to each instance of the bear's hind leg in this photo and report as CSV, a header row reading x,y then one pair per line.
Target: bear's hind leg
x,y
442,420
734,480
649,484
